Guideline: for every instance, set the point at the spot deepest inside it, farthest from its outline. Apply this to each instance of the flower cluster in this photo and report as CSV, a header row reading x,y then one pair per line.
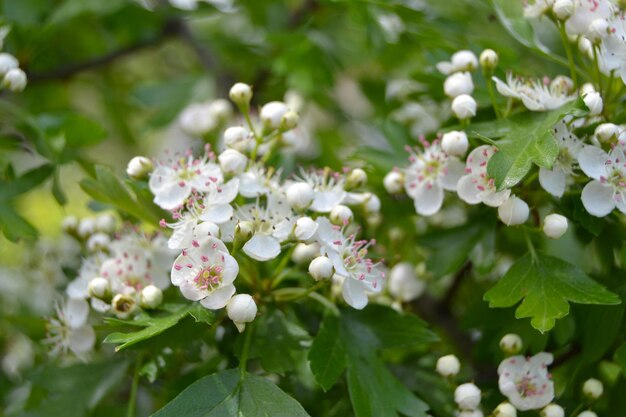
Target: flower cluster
x,y
12,76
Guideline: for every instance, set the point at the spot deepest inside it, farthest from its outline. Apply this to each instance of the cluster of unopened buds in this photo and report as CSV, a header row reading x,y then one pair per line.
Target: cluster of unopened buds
x,y
12,77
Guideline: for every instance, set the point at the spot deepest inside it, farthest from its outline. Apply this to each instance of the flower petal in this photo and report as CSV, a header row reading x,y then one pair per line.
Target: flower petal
x,y
456,169
217,213
76,312
218,298
592,161
82,340
467,191
598,199
172,195
262,247
354,293
552,180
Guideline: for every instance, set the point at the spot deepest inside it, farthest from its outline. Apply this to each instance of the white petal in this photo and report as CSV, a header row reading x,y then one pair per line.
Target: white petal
x,y
467,191
598,199
181,238
190,291
262,247
552,180
354,293
504,89
325,201
76,312
217,213
456,169
172,195
231,269
428,200
494,199
78,288
228,192
219,298
82,340
161,177
592,161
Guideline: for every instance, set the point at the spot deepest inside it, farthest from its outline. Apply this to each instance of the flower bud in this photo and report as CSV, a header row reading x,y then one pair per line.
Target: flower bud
x,y
198,119
105,223
241,94
321,268
587,413
563,9
300,196
464,61
593,101
448,366
598,29
151,297
488,60
206,229
99,288
372,204
607,131
470,413
554,225
86,227
593,388
341,215
139,167
455,143
356,178
69,224
243,232
553,410
457,84
220,109
467,396
305,229
505,409
394,182
374,220
15,80
304,254
464,107
98,242
238,138
513,211
232,162
585,47
7,63
289,120
511,344
403,282
241,309
123,305
272,114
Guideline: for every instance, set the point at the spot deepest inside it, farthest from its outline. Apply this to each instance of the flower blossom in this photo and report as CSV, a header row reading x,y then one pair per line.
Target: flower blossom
x,y
537,95
476,186
607,190
69,331
554,180
525,381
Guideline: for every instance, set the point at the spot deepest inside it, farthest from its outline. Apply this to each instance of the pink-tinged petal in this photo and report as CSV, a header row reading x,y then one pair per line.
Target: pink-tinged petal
x,y
456,169
218,298
217,213
181,271
467,190
428,199
262,247
477,159
228,192
598,198
592,160
172,195
552,180
353,292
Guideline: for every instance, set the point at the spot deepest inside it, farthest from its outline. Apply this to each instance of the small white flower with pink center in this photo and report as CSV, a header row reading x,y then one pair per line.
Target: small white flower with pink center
x,y
476,186
613,46
206,272
361,276
554,180
328,188
431,172
537,95
525,381
174,182
130,271
585,12
216,206
69,331
608,188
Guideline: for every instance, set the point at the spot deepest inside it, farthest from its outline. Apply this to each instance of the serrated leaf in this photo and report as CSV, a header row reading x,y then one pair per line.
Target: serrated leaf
x,y
328,353
15,227
529,141
25,182
227,394
546,285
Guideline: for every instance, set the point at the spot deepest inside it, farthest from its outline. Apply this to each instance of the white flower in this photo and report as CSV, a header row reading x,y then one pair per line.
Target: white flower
x,y
238,138
349,257
593,388
124,305
431,172
241,309
554,180
488,60
201,118
232,161
476,187
151,297
526,381
305,229
467,396
455,143
69,331
256,181
98,242
321,268
15,80
131,270
593,101
272,114
206,273
7,63
356,178
86,227
457,84
470,413
341,215
172,185
553,410
563,9
608,188
585,12
464,107
448,365
100,288
587,413
403,282
300,195
554,225
613,46
505,409
606,131
241,94
216,206
537,95
394,182
328,187
105,223
304,253
537,8
460,61
514,211
511,344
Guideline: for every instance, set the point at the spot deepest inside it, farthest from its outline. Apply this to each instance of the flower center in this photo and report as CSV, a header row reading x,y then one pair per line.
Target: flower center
x,y
209,277
615,178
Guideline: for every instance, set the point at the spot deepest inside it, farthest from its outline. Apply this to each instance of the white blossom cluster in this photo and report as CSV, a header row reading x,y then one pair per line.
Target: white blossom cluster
x,y
12,76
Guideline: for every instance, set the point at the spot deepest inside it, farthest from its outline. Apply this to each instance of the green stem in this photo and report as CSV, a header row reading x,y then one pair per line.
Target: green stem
x,y
531,247
130,412
577,410
568,51
597,67
324,302
303,293
246,349
492,96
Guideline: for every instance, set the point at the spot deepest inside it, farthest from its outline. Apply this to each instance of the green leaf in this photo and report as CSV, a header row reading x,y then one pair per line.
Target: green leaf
x,y
596,340
620,357
529,141
328,353
14,226
26,182
547,285
226,394
82,131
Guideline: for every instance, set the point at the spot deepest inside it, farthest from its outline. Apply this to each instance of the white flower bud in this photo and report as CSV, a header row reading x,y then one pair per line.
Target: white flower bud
x,y
241,94
553,410
304,254
69,224
455,143
105,223
464,60
151,297
448,366
554,225
99,288
139,167
470,413
505,409
586,48
356,178
98,242
241,309
587,413
238,138
306,229
563,9
289,120
488,60
598,29
513,211
300,195
593,101
220,109
372,204
593,389
243,232
511,344
341,215
86,227
272,114
464,107
586,89
198,119
206,229
232,162
403,282
321,268
467,396
607,131
15,80
7,63
394,182
457,84
123,305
